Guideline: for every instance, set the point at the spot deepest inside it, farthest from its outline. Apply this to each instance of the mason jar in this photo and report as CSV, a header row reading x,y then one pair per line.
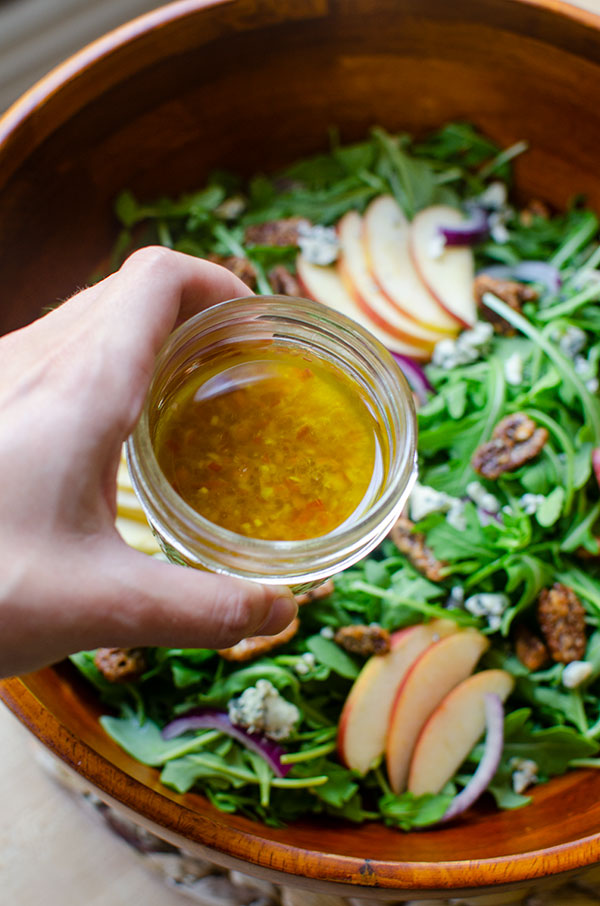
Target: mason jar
x,y
211,340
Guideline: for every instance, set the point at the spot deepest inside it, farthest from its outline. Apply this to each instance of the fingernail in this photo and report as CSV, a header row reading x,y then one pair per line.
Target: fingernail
x,y
283,610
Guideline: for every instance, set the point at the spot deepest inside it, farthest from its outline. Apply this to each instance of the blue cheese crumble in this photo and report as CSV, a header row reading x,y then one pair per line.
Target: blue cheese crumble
x,y
305,663
319,244
490,605
494,196
261,709
524,773
468,347
576,673
425,500
456,598
482,497
513,370
571,340
530,503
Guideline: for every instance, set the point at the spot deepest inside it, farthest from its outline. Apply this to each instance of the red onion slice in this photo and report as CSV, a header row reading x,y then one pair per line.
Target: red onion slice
x,y
211,719
487,767
415,376
486,516
474,229
596,463
529,272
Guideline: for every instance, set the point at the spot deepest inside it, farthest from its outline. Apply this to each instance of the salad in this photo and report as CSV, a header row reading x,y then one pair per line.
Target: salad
x,y
463,656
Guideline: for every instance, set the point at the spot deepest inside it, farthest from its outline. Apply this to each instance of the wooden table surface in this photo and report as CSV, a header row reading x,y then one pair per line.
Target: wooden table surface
x,y
53,852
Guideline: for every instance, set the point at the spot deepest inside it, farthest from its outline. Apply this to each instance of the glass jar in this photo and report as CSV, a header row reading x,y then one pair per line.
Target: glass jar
x,y
189,538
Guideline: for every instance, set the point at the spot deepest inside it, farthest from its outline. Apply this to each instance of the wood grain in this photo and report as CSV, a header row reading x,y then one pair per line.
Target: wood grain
x,y
251,85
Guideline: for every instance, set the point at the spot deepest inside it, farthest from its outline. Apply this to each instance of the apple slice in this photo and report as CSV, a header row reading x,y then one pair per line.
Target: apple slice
x,y
137,535
449,275
386,239
435,672
355,274
323,284
366,713
453,729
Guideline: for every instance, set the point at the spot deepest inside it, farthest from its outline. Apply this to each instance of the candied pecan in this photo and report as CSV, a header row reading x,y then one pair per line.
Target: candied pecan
x,y
259,644
413,545
275,232
313,594
534,208
511,292
562,620
584,554
241,267
530,649
283,282
363,640
120,665
515,440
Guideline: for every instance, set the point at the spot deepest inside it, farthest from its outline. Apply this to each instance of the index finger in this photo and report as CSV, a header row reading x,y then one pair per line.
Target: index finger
x,y
155,289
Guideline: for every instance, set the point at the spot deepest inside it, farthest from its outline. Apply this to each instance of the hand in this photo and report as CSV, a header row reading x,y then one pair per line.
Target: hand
x,y
72,386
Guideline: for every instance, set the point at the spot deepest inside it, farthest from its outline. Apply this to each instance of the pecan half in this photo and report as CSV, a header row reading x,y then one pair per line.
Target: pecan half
x,y
321,591
534,208
275,232
530,649
258,645
515,440
562,620
241,267
413,545
510,291
283,282
120,665
363,640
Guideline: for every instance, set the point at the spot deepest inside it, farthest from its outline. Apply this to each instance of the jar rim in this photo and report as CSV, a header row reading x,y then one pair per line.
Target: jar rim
x,y
147,474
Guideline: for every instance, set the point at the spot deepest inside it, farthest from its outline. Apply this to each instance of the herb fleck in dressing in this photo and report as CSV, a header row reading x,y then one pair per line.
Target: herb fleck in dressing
x,y
272,444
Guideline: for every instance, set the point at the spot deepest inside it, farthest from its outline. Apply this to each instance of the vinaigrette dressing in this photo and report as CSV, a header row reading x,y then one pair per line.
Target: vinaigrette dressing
x,y
272,443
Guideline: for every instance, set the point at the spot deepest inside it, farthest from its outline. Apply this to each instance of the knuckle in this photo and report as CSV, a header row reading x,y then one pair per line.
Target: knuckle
x,y
149,258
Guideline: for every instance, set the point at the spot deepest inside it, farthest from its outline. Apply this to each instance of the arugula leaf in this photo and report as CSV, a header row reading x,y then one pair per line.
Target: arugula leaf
x,y
341,784
451,543
551,508
590,405
532,574
526,546
552,748
222,689
143,739
330,654
407,811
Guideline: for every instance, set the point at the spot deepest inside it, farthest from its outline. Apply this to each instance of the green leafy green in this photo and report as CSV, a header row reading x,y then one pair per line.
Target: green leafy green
x,y
540,526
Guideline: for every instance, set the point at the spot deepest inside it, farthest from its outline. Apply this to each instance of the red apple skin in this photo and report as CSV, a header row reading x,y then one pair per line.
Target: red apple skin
x,y
375,317
355,274
323,285
365,716
450,277
386,233
434,673
453,730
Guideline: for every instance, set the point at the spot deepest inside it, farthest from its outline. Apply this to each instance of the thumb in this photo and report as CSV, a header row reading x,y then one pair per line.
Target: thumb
x,y
148,602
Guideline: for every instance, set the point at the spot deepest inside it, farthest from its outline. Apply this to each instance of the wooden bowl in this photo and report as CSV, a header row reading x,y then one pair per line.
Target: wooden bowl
x,y
251,84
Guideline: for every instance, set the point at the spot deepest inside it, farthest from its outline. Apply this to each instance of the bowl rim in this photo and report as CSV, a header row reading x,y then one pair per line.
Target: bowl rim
x,y
278,861
61,76
113,783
